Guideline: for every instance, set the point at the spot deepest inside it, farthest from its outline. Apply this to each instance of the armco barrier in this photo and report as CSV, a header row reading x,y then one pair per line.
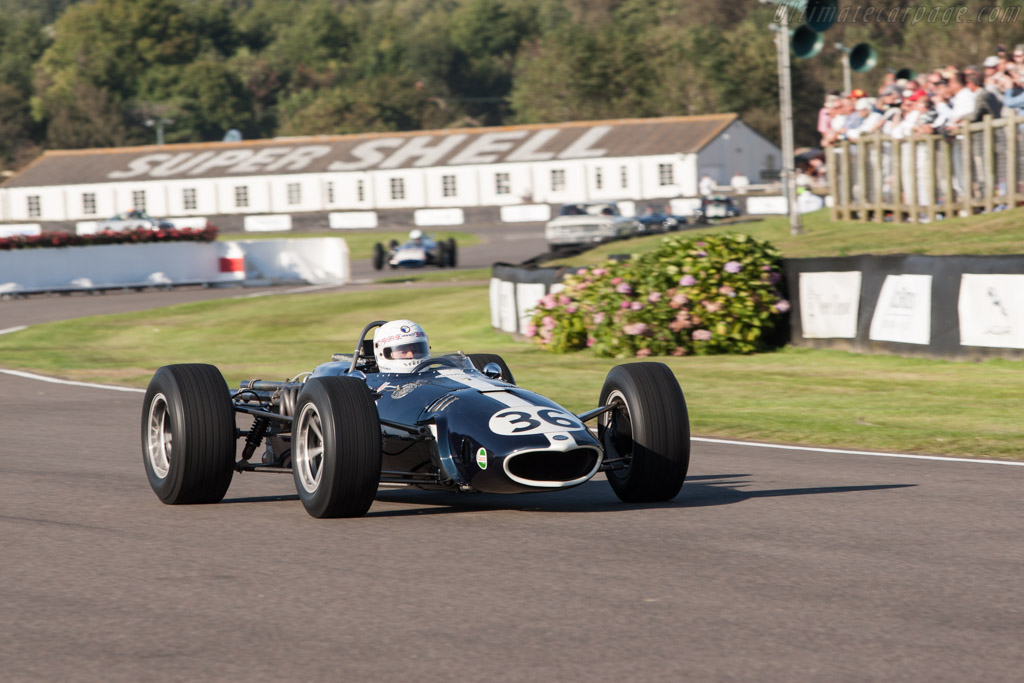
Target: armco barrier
x,y
110,266
933,306
517,289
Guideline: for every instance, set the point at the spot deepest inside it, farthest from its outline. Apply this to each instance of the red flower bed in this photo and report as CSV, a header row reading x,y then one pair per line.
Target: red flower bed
x,y
137,236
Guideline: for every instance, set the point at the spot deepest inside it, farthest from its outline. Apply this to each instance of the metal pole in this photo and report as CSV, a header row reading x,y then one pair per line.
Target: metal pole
x,y
847,76
786,112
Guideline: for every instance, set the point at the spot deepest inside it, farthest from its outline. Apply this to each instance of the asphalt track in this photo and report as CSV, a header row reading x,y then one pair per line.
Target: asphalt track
x,y
772,564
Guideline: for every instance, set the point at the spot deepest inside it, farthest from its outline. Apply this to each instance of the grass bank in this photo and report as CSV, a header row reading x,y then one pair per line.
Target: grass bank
x,y
797,396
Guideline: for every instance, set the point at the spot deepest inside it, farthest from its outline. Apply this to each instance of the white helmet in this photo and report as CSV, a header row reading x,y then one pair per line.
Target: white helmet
x,y
416,234
399,346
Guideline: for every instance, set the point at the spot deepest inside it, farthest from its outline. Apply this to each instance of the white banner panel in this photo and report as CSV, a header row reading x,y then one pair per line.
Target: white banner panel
x,y
685,207
764,206
26,229
991,309
527,296
829,303
507,306
194,222
268,223
429,217
903,312
495,302
525,213
352,220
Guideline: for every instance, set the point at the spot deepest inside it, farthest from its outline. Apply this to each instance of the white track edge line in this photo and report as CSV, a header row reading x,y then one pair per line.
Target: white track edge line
x,y
54,380
839,451
19,328
726,442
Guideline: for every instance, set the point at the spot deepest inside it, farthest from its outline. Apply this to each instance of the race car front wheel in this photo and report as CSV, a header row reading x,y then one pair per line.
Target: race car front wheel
x,y
378,256
453,253
336,447
649,429
188,434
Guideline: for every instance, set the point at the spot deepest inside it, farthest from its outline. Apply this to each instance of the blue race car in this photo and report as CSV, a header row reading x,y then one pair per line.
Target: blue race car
x,y
420,250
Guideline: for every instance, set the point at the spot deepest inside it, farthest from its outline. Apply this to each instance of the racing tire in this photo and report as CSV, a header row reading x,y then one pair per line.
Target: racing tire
x,y
188,434
453,253
378,256
650,427
442,254
336,447
479,360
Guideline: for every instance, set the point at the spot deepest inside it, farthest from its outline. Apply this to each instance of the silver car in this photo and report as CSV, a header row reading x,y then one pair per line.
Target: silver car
x,y
588,223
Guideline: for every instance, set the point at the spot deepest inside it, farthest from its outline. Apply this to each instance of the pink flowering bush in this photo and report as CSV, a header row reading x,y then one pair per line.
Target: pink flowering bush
x,y
703,295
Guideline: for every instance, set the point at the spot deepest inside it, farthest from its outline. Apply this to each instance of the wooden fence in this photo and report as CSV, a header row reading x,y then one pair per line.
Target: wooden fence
x,y
878,178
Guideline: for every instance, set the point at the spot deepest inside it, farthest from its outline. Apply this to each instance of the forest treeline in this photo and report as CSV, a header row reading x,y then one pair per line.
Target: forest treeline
x,y
99,73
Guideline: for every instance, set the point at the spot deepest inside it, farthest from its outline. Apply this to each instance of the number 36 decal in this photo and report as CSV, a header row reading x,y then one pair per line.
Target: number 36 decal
x,y
532,420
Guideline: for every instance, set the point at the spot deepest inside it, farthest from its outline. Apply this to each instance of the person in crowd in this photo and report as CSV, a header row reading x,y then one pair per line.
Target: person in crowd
x,y
870,118
961,102
1018,55
825,114
740,182
991,66
1012,91
706,185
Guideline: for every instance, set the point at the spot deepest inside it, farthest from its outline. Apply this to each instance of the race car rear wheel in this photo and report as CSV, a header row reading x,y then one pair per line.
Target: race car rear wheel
x,y
378,256
649,428
453,253
188,434
336,447
479,360
442,254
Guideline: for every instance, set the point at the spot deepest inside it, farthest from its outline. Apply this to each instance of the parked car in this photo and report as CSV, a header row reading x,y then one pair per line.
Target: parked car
x,y
132,220
654,220
450,423
588,223
421,250
714,207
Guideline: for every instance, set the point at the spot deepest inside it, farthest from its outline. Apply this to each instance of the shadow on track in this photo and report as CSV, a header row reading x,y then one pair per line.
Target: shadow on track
x,y
597,496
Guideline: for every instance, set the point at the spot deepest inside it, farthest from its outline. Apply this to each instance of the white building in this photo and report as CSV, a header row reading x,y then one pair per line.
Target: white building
x,y
348,180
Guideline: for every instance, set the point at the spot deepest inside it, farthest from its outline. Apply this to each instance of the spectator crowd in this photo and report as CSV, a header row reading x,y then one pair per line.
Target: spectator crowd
x,y
939,102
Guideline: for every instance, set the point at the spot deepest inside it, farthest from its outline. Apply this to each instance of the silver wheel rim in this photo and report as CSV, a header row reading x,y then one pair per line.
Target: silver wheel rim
x,y
616,396
309,449
159,440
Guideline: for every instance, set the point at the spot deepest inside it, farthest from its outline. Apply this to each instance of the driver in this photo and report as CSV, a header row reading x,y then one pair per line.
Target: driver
x,y
399,346
416,236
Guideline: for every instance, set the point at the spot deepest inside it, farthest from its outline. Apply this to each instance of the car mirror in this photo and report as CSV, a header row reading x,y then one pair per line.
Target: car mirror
x,y
492,370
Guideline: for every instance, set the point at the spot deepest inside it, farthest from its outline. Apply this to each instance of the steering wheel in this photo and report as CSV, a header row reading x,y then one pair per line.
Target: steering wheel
x,y
434,361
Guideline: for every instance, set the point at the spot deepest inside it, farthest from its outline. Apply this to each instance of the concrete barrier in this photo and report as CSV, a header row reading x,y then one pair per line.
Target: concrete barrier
x,y
322,260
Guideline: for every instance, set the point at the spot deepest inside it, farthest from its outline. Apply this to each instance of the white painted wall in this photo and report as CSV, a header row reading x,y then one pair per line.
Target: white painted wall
x,y
738,148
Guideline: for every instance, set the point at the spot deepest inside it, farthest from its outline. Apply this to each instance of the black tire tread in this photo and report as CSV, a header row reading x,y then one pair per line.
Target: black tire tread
x,y
661,423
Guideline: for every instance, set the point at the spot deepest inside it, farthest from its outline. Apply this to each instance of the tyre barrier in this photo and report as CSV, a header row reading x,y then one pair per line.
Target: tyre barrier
x,y
515,290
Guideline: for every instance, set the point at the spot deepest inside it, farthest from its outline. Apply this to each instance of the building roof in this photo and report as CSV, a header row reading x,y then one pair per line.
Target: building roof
x,y
375,151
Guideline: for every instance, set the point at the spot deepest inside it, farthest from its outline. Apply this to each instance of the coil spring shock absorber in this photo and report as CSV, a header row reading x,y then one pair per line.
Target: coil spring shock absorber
x,y
259,428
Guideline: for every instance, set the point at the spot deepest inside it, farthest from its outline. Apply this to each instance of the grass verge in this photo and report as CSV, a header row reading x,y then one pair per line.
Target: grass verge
x,y
796,396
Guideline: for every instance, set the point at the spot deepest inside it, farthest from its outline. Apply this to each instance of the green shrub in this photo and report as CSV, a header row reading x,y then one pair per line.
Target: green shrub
x,y
691,296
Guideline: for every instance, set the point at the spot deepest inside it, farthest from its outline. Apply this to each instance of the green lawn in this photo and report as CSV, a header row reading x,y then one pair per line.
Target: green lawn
x,y
797,396
995,233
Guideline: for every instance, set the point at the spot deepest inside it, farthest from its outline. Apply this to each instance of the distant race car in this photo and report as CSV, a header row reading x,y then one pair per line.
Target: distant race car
x,y
451,423
132,220
420,250
714,207
588,223
654,220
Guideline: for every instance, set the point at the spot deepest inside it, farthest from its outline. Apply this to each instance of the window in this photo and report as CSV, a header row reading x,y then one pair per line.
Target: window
x,y
89,203
241,196
502,183
33,206
139,200
188,198
665,176
330,192
557,179
361,190
624,177
397,188
448,186
598,179
294,193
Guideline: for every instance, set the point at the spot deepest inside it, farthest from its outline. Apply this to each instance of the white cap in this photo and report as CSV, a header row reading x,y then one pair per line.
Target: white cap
x,y
416,234
991,62
400,337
